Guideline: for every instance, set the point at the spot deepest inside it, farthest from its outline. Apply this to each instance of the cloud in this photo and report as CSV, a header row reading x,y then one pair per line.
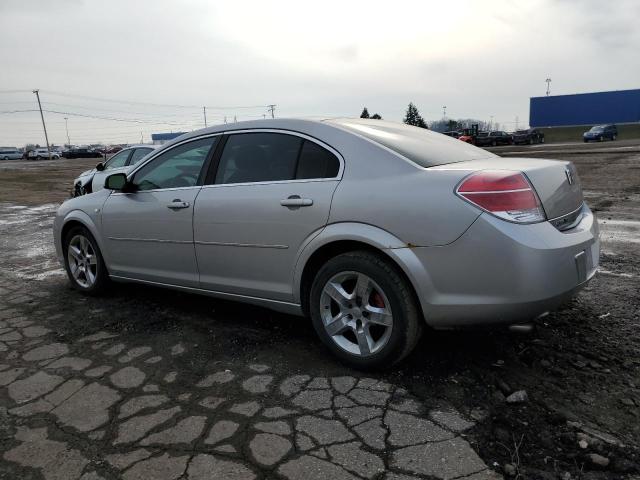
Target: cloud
x,y
478,58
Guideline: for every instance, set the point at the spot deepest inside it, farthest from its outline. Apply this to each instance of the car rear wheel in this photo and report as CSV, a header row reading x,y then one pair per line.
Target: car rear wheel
x,y
364,311
83,262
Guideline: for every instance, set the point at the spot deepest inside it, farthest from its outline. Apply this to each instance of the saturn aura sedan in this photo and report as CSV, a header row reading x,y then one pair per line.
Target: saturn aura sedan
x,y
373,229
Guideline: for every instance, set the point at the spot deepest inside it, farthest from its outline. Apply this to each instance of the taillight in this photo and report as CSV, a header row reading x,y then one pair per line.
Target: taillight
x,y
505,194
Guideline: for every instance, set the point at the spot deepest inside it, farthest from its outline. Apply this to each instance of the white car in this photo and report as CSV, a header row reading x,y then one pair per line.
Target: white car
x,y
93,180
42,153
10,153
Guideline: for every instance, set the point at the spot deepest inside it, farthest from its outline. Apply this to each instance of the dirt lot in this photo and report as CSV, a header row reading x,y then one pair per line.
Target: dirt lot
x,y
152,384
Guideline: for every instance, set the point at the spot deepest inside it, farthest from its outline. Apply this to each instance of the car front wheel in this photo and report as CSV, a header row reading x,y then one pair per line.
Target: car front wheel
x,y
83,262
364,310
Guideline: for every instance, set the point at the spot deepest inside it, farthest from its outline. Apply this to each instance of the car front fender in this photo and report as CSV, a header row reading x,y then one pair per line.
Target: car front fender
x,y
90,222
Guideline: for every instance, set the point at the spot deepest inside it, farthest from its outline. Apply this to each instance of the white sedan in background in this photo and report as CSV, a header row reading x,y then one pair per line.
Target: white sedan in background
x,y
93,180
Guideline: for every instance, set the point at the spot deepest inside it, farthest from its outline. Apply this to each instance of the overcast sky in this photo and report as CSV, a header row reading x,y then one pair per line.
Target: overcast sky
x,y
479,58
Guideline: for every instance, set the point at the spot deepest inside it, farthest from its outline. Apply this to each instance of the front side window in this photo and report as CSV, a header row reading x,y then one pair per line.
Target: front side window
x,y
138,154
258,157
118,160
177,167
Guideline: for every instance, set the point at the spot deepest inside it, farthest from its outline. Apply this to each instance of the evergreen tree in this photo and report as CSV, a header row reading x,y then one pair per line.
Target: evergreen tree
x,y
413,117
365,113
376,116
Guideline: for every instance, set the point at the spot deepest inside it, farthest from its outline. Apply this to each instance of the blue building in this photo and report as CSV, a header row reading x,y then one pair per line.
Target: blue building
x,y
160,138
619,107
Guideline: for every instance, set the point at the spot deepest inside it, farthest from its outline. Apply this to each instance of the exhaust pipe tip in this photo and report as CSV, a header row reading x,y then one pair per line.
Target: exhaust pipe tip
x,y
521,328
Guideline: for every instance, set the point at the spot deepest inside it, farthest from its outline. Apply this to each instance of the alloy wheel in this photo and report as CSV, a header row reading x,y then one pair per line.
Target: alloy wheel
x,y
356,313
83,262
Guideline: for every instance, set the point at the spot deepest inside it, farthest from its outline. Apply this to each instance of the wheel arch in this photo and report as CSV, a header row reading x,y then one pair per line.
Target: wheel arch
x,y
340,238
79,218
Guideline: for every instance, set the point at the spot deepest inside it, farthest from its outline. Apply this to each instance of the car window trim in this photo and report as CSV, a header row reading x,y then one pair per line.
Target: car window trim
x,y
210,178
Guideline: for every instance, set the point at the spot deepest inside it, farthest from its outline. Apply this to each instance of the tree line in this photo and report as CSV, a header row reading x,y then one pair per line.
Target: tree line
x,y
413,117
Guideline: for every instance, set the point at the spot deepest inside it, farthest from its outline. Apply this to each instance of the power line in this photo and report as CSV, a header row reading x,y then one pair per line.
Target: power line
x,y
151,104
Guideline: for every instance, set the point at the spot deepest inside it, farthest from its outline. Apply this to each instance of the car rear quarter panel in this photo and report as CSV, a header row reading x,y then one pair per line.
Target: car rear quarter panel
x,y
416,205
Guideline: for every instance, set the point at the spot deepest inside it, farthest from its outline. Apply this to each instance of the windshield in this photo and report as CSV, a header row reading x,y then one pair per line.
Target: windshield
x,y
483,134
597,129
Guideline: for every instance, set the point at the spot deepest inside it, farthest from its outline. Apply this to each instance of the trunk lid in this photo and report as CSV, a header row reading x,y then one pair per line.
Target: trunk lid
x,y
556,182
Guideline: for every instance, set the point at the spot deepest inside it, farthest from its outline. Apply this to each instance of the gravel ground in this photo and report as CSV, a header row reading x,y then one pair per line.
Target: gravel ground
x,y
153,384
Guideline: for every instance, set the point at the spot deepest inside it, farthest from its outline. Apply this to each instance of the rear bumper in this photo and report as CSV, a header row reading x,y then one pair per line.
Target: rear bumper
x,y
500,272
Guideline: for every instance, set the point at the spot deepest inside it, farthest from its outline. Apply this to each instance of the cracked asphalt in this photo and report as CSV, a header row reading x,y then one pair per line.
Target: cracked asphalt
x,y
154,384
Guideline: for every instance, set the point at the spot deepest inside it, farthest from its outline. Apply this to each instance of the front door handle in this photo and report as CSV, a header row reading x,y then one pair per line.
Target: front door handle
x,y
177,204
296,201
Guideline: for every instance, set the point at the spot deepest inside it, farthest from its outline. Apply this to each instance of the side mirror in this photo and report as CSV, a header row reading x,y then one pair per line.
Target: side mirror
x,y
100,167
117,181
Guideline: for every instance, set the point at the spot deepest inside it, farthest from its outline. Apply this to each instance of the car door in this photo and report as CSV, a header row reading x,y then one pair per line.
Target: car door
x,y
269,193
114,165
149,233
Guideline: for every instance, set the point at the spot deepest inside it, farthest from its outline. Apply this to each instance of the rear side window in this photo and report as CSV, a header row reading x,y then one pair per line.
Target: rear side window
x,y
316,162
258,157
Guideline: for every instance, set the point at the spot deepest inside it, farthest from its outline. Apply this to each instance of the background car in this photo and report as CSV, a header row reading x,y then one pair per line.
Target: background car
x,y
493,138
10,153
42,153
93,180
600,133
530,136
371,228
82,152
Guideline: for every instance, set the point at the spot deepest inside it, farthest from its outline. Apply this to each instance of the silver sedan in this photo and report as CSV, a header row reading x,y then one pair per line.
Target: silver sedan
x,y
372,229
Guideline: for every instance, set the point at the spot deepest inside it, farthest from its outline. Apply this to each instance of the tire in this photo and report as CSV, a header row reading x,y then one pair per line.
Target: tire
x,y
494,143
83,243
531,141
5,158
390,300
601,138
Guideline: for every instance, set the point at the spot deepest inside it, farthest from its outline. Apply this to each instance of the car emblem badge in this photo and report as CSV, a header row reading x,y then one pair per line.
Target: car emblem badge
x,y
569,175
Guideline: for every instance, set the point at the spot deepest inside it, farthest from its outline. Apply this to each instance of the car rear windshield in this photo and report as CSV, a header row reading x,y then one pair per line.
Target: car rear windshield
x,y
421,146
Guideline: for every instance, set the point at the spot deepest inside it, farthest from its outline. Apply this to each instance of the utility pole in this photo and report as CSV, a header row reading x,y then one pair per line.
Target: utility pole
x,y
491,122
204,111
46,137
272,109
66,126
444,112
548,80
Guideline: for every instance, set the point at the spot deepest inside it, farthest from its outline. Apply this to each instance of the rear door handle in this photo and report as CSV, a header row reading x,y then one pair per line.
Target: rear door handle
x,y
296,201
177,204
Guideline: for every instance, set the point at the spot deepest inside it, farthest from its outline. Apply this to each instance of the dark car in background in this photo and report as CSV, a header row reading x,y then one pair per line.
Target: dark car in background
x,y
600,133
81,153
529,136
493,138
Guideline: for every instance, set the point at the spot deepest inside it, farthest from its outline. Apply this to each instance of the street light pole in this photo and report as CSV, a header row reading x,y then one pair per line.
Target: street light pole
x,y
548,80
46,137
66,126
